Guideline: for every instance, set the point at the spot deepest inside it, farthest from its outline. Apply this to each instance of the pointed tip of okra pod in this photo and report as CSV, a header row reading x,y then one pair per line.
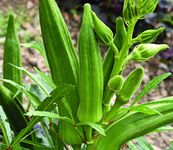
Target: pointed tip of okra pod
x,y
87,5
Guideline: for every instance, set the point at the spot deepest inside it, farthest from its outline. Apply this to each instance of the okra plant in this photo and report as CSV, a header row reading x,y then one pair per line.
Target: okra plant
x,y
71,107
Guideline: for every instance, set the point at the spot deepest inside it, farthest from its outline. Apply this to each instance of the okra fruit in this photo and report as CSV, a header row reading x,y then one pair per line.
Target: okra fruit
x,y
12,55
90,72
109,60
131,84
63,62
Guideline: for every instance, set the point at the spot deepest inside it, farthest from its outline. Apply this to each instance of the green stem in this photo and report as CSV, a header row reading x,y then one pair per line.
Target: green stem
x,y
88,134
77,147
90,147
112,112
121,61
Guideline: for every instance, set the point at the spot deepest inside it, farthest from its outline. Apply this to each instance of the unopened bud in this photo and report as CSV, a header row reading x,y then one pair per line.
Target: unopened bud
x,y
144,52
115,83
104,33
149,35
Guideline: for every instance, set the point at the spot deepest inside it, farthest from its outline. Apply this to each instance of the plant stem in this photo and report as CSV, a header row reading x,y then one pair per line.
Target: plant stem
x,y
77,147
90,147
113,111
121,61
88,134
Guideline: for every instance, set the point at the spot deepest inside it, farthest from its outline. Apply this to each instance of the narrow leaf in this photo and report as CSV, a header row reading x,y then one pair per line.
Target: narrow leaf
x,y
49,114
145,110
47,105
39,47
4,125
143,143
97,127
150,85
136,125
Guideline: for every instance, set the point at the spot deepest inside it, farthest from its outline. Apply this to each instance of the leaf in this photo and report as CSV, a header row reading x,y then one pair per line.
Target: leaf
x,y
164,128
68,108
39,47
131,145
170,146
31,96
39,79
97,127
134,125
37,145
5,127
143,143
150,85
50,115
145,110
47,105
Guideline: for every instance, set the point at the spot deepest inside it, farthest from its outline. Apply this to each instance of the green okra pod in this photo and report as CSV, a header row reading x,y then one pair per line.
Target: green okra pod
x,y
12,55
63,62
131,84
91,74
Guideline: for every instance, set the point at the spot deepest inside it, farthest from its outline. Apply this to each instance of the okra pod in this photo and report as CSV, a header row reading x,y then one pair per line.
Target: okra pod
x,y
63,62
12,55
131,84
91,74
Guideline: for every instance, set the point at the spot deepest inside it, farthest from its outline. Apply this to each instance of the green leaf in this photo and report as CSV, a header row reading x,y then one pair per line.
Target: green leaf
x,y
31,96
170,146
145,110
47,105
150,85
36,145
143,143
39,79
49,114
5,127
164,128
97,127
39,47
134,125
131,145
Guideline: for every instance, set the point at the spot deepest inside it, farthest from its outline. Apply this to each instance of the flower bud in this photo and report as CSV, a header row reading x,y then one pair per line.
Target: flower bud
x,y
149,35
131,85
115,83
104,33
143,52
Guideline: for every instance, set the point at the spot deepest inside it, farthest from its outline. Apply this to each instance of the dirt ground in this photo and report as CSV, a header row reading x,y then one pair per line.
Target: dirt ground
x,y
30,31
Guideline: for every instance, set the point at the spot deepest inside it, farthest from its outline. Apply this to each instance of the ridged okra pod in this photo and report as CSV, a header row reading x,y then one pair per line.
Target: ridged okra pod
x,y
12,55
91,74
131,85
63,62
